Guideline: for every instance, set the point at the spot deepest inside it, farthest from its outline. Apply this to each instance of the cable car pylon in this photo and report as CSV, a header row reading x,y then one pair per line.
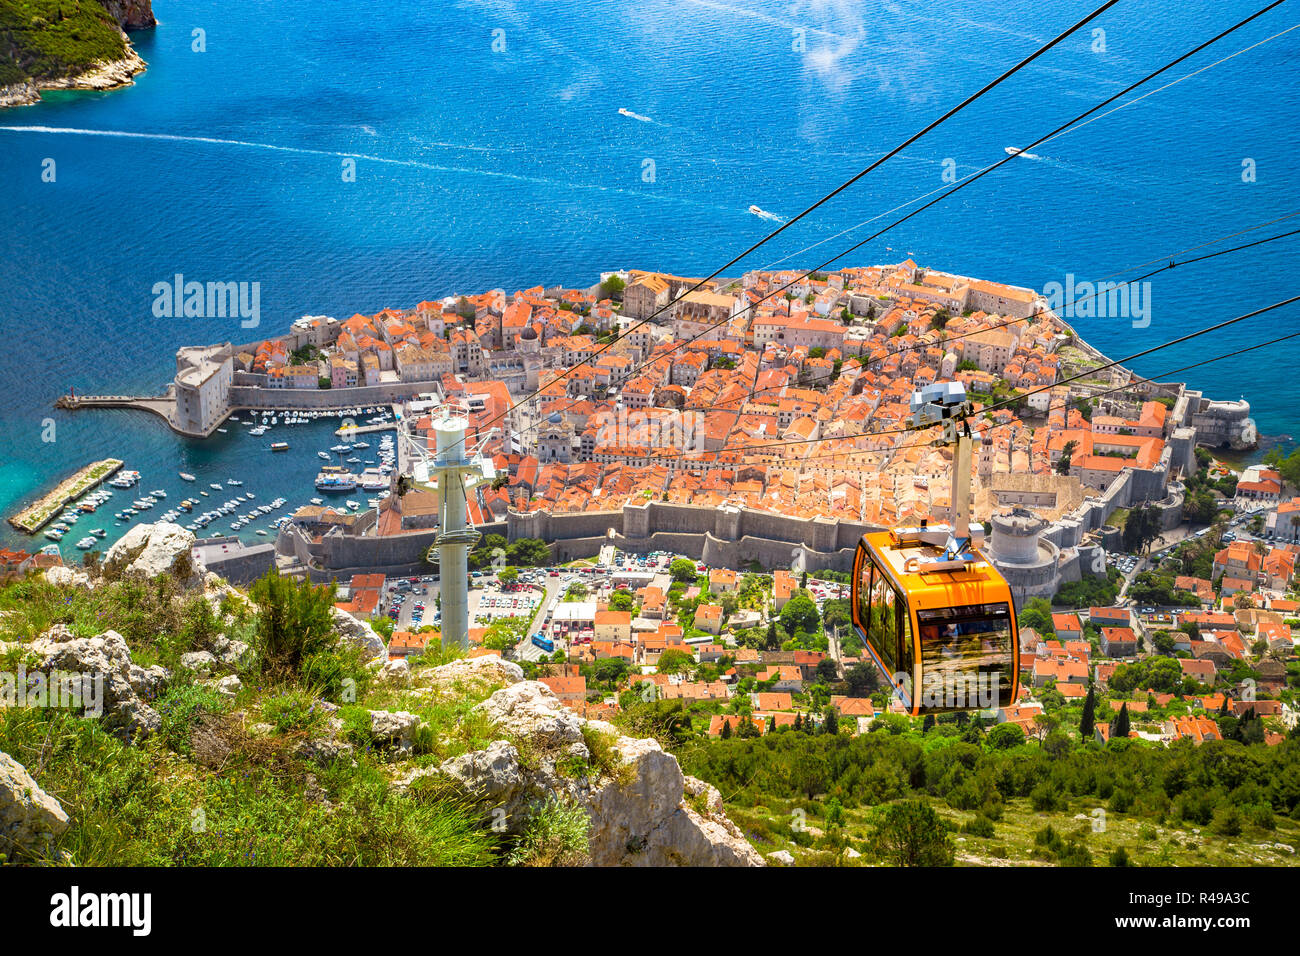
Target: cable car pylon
x,y
946,404
451,472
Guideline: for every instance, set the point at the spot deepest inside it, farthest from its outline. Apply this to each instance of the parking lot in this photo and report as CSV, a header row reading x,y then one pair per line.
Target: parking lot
x,y
495,601
411,602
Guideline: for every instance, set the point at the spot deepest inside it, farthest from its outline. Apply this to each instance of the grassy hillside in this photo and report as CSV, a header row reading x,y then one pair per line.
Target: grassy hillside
x,y
49,39
225,781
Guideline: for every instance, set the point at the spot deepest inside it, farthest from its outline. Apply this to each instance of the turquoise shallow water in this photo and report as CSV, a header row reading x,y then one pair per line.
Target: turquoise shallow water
x,y
480,169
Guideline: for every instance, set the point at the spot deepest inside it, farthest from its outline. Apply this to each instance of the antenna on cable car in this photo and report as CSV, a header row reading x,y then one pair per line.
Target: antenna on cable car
x,y
946,404
450,470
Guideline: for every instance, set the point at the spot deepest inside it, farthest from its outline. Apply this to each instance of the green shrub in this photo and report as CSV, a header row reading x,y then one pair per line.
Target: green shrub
x,y
555,834
979,825
295,622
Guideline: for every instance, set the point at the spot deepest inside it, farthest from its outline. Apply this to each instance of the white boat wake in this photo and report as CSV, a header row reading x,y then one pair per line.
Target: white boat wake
x,y
636,116
368,157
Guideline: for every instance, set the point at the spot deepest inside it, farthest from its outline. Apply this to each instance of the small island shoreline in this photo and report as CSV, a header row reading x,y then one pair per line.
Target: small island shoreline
x,y
110,75
88,48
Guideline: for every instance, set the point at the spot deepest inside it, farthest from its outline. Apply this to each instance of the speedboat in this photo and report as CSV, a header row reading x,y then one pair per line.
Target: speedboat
x,y
186,476
216,486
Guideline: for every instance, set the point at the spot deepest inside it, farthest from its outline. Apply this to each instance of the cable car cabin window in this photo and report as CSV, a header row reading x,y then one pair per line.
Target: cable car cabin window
x,y
885,615
966,657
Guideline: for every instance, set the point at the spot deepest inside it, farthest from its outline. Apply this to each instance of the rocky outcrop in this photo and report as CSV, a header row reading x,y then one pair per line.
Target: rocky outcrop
x,y
63,576
19,94
131,14
105,658
393,728
643,810
29,817
149,550
200,662
358,634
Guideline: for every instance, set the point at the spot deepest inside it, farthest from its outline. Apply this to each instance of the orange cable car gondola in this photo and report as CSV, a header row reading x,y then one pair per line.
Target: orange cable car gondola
x,y
936,616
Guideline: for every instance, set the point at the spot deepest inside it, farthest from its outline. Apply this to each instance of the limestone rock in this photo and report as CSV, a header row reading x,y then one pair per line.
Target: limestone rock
x,y
148,682
393,728
641,813
104,657
216,591
19,94
148,550
200,662
29,817
358,634
492,777
782,857
131,14
229,652
324,750
531,709
63,575
487,670
229,686
396,672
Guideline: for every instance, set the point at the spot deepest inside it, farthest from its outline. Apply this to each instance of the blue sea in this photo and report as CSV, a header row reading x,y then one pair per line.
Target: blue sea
x,y
489,152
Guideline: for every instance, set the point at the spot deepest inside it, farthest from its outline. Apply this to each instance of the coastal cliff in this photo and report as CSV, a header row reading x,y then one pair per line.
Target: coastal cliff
x,y
131,14
68,44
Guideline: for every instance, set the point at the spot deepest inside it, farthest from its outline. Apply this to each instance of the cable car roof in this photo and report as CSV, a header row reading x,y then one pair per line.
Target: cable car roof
x,y
977,583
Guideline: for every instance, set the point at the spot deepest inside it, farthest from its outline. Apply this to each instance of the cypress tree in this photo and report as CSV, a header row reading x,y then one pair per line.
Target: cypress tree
x,y
1121,727
1089,714
832,723
726,730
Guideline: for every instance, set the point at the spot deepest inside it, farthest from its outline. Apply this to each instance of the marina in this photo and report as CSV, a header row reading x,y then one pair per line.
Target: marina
x,y
200,476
